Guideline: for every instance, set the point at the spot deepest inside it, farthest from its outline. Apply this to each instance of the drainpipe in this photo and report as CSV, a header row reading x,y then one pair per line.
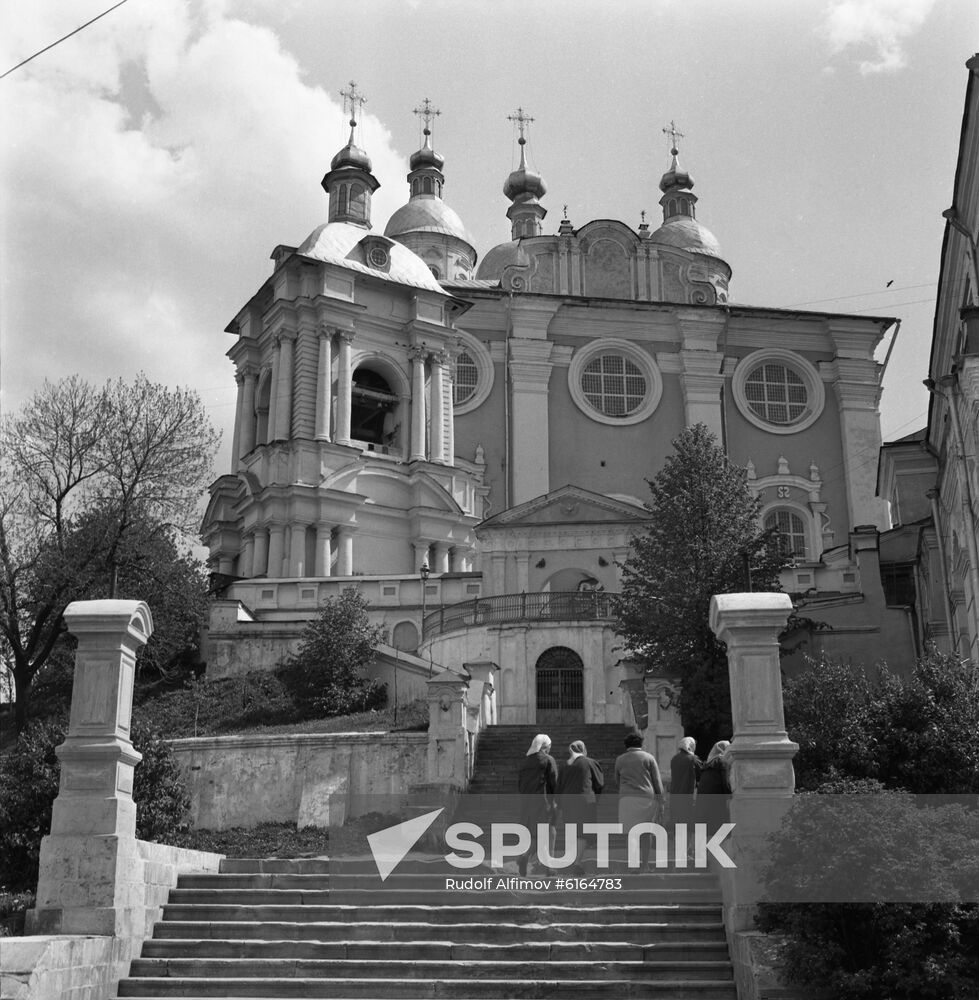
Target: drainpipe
x,y
937,387
954,641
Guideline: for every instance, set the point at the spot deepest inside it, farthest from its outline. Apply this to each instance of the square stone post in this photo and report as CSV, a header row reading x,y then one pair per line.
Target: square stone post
x,y
448,729
762,776
91,877
664,730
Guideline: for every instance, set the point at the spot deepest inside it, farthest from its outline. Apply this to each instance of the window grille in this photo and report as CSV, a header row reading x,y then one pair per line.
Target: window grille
x,y
791,532
465,379
776,393
613,385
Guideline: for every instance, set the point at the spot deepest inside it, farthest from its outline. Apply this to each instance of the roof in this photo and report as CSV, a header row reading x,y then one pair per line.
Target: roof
x,y
687,234
339,243
501,256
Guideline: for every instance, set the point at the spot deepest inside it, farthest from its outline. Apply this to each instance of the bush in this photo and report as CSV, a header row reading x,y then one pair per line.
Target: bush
x,y
882,847
29,777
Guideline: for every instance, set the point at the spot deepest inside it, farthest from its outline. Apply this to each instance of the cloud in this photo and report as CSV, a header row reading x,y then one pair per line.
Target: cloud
x,y
880,26
152,163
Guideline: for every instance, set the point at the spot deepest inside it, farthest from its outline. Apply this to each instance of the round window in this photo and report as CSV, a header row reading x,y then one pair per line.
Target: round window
x,y
378,257
776,393
613,385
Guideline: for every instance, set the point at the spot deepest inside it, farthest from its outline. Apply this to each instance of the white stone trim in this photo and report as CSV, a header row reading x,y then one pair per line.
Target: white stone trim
x,y
814,388
484,364
644,361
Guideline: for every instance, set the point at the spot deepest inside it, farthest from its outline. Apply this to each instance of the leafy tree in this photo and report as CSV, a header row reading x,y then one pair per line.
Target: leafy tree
x,y
334,650
29,777
80,469
704,538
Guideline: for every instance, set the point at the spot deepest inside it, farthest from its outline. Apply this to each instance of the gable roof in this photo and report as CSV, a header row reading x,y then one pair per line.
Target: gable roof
x,y
567,505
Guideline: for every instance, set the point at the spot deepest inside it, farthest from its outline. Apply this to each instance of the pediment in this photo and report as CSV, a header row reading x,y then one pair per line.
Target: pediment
x,y
567,505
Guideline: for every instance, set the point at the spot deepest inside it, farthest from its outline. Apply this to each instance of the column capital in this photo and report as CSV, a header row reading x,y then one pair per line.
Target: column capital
x,y
417,353
286,336
440,357
345,334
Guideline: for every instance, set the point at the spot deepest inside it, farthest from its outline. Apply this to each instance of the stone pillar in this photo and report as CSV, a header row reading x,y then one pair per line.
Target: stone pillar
x,y
246,440
441,558
324,553
421,548
91,876
283,406
345,554
448,739
703,384
246,560
762,777
297,551
437,422
417,355
239,418
272,432
530,373
344,387
260,555
276,551
663,727
324,385
523,572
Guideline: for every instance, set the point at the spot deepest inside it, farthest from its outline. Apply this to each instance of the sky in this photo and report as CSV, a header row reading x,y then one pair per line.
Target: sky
x,y
153,161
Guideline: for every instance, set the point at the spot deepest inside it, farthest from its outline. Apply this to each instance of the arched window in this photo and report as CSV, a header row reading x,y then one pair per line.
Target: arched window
x,y
342,199
372,409
791,531
358,201
560,687
427,185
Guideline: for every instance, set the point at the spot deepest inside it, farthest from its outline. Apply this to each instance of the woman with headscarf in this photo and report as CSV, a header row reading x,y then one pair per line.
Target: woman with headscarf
x,y
580,782
537,784
713,789
684,771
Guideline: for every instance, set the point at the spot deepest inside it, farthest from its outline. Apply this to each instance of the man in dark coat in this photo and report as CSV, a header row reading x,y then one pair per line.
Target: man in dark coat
x,y
537,784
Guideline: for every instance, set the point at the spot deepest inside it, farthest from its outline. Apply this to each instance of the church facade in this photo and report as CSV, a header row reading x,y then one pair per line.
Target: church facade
x,y
466,438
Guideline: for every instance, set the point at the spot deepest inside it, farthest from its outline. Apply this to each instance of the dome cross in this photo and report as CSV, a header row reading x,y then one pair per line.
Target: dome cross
x,y
353,100
427,113
675,137
523,120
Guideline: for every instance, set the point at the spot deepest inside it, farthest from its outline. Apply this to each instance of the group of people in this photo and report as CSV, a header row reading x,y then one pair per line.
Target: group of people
x,y
568,793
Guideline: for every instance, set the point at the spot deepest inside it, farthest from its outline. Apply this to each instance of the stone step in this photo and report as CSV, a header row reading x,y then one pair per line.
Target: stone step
x,y
302,968
422,950
704,935
534,988
530,912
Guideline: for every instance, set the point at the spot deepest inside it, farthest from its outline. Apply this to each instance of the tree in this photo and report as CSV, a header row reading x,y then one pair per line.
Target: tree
x,y
80,468
704,538
334,650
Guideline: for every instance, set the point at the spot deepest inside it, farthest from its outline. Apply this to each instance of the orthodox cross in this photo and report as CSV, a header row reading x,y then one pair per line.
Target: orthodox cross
x,y
352,99
523,120
674,136
426,112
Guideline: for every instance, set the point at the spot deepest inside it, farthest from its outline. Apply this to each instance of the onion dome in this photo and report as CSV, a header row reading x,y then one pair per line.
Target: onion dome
x,y
349,182
524,187
351,156
502,256
524,184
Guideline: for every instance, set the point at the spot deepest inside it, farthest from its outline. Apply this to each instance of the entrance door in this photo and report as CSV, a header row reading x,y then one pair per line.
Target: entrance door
x,y
560,688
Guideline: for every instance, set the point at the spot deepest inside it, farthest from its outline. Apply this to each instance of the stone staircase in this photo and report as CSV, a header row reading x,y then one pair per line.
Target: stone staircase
x,y
321,928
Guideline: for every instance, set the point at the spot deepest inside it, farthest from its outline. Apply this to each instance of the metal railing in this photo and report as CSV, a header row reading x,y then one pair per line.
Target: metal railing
x,y
588,605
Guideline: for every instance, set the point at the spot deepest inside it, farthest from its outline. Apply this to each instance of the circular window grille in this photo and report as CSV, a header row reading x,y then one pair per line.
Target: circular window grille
x,y
378,256
613,385
791,532
465,379
776,393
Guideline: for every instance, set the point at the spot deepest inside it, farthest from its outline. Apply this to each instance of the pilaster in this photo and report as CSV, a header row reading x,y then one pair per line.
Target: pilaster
x,y
530,373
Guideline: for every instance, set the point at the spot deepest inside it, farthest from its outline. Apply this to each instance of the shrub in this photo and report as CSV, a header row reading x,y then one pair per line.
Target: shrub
x,y
905,933
29,777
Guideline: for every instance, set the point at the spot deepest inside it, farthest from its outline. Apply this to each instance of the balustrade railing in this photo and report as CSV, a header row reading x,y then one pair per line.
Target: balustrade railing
x,y
588,605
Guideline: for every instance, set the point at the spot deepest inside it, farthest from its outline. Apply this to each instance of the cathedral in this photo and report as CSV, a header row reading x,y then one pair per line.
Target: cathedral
x,y
465,437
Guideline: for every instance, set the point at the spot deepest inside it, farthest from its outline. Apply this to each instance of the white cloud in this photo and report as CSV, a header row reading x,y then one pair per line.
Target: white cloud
x,y
880,26
152,163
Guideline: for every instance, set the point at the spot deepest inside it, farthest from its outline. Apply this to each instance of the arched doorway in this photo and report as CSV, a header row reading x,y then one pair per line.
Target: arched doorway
x,y
560,687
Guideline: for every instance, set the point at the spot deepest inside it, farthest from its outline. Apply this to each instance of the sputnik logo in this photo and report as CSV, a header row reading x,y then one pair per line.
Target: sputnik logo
x,y
390,846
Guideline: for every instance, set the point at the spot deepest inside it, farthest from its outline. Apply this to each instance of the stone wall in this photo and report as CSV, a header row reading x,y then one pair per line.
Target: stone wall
x,y
311,779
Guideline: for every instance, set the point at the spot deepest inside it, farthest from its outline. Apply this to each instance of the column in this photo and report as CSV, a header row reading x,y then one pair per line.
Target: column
x,y
441,558
324,552
421,548
530,372
437,422
283,411
703,384
273,430
450,428
345,553
762,777
297,550
260,554
247,437
239,418
417,355
246,560
523,572
91,875
276,551
344,386
324,384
